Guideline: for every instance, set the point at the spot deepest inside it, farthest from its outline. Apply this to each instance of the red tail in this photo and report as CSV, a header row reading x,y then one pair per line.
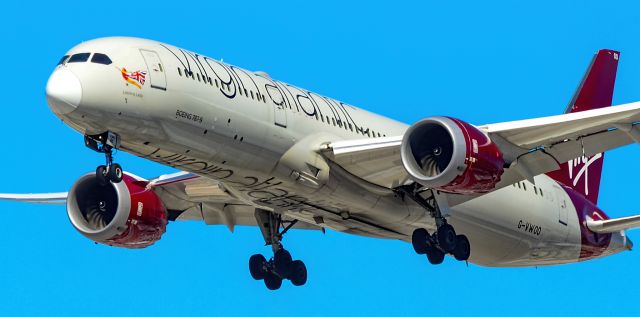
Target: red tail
x,y
595,91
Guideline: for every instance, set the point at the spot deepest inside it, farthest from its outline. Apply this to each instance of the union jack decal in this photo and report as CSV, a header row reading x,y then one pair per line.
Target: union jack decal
x,y
136,78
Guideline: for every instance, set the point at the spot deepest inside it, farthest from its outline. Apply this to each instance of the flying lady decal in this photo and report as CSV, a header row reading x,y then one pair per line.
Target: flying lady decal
x,y
136,78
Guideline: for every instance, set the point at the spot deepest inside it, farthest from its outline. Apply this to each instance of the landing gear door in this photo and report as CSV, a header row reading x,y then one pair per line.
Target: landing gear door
x,y
157,76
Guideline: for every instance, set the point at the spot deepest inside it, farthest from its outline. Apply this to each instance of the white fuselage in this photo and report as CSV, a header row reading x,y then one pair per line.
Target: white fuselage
x,y
236,126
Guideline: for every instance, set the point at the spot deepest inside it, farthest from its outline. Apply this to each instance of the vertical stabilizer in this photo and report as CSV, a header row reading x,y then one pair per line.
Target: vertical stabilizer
x,y
595,91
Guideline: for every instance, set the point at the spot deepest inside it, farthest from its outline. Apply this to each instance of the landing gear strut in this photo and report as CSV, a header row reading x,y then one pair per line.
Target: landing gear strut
x,y
105,143
444,240
281,266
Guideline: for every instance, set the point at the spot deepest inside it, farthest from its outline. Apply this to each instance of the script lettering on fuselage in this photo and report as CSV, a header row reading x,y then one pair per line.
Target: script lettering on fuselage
x,y
235,81
262,190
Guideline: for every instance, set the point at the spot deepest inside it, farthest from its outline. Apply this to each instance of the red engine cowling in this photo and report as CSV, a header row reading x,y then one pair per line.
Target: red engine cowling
x,y
452,156
126,214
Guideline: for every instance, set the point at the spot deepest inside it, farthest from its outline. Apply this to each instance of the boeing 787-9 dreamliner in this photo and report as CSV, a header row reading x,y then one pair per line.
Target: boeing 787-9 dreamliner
x,y
254,151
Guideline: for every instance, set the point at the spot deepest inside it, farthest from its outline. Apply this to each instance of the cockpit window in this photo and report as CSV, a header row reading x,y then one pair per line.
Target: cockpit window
x,y
101,59
78,58
63,59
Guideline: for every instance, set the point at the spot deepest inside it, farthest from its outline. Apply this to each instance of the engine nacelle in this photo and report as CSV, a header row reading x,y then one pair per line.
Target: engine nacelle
x,y
452,156
124,214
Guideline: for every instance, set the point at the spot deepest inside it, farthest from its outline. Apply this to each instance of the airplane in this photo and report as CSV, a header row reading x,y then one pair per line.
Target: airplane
x,y
254,151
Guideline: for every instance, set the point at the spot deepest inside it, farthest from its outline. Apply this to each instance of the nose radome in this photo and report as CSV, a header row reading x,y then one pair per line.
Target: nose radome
x,y
64,91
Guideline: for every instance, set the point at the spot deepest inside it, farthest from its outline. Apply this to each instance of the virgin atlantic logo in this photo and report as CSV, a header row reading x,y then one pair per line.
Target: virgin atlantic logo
x,y
583,172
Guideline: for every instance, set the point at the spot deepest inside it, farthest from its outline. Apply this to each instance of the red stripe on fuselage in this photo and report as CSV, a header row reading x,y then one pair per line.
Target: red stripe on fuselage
x,y
592,244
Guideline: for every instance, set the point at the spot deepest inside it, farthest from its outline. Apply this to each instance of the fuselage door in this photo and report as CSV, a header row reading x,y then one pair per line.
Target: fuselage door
x,y
279,114
562,209
157,76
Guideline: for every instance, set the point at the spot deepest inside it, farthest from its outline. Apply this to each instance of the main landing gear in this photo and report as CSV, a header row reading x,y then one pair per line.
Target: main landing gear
x,y
281,266
444,240
105,143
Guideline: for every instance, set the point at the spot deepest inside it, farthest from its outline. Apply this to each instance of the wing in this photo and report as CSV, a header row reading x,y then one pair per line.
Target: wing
x,y
186,196
540,145
531,147
50,198
613,225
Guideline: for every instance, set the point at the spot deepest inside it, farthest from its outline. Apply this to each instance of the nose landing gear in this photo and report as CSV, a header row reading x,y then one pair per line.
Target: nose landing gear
x,y
444,240
105,143
281,266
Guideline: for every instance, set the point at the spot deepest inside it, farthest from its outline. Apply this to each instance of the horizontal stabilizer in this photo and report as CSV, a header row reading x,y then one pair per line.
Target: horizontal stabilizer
x,y
613,225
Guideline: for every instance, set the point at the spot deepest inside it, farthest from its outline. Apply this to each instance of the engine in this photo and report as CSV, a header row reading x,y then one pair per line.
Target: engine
x,y
452,156
124,214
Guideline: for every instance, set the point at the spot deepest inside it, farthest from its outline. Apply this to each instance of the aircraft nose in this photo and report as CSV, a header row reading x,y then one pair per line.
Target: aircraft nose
x,y
64,91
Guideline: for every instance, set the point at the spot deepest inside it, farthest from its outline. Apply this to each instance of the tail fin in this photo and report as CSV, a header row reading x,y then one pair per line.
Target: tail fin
x,y
595,91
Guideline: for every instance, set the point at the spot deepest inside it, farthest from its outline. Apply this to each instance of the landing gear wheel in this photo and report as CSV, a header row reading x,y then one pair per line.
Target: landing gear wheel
x,y
462,250
435,256
101,175
298,273
446,238
283,260
257,266
419,240
115,173
272,281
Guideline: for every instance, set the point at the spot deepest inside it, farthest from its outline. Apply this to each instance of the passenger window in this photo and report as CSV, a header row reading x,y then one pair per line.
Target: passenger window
x,y
100,58
79,58
62,60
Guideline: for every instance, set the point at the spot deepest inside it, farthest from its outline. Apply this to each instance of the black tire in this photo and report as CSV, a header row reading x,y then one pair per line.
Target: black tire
x,y
298,273
447,238
115,173
101,175
463,248
256,266
272,281
282,261
435,256
419,240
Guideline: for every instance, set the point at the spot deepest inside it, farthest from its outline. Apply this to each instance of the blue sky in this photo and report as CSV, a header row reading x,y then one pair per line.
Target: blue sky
x,y
481,62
